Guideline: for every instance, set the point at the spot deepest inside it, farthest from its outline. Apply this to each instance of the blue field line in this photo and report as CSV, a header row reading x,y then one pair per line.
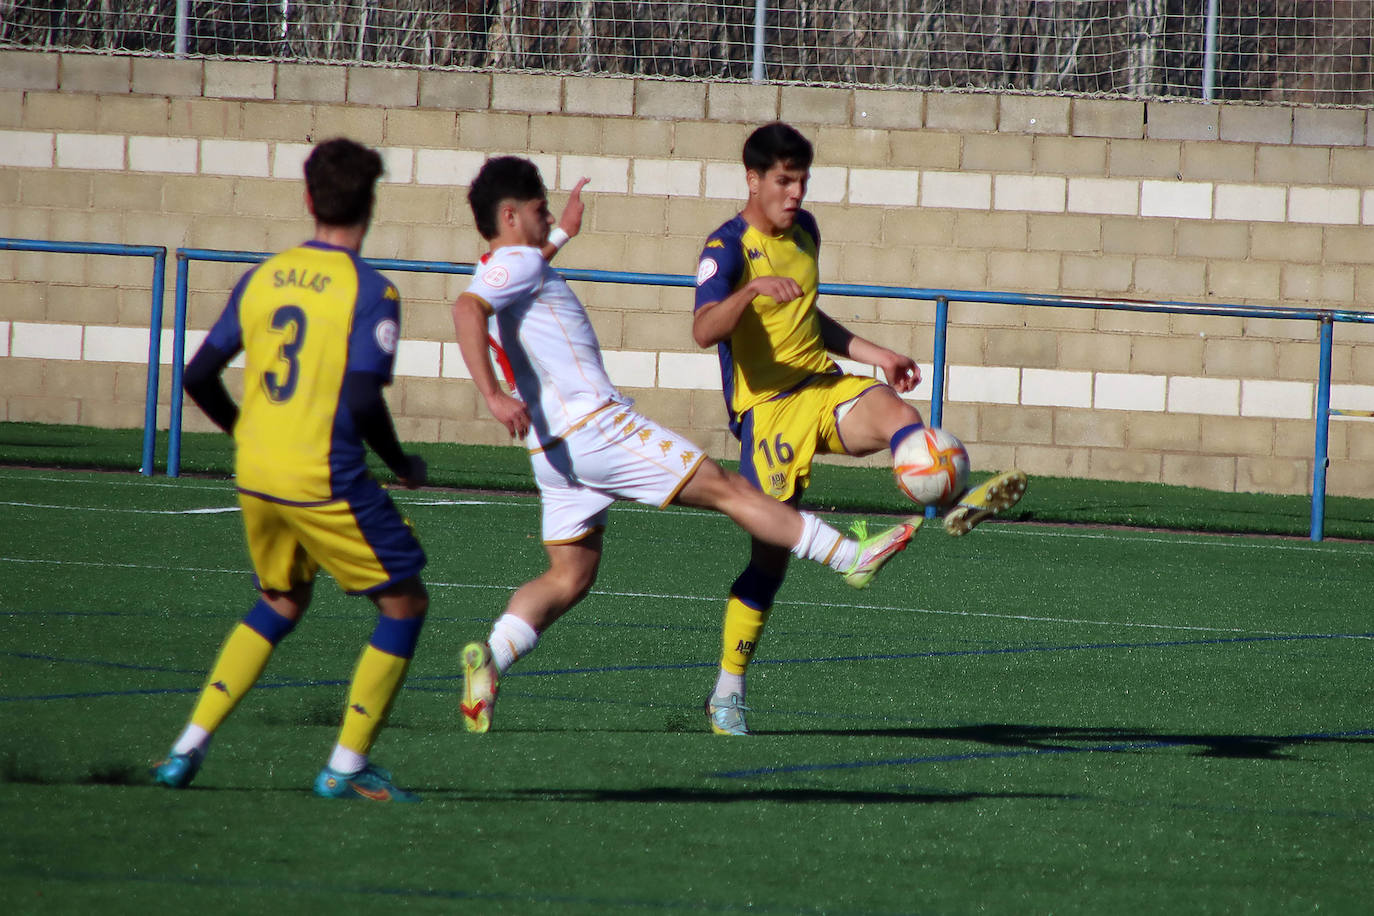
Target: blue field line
x,y
952,653
1112,748
98,663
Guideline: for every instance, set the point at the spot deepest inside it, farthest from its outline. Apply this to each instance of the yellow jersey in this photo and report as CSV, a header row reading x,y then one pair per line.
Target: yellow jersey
x,y
776,346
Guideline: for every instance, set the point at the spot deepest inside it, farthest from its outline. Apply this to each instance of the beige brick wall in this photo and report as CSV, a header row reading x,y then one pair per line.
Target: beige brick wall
x,y
1242,205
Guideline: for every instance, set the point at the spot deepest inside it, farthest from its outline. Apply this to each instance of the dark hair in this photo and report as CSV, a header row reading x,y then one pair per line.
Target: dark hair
x,y
502,178
777,143
341,176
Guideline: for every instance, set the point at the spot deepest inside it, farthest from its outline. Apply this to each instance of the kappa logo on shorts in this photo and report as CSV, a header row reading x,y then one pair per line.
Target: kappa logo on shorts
x,y
496,277
644,436
666,446
688,458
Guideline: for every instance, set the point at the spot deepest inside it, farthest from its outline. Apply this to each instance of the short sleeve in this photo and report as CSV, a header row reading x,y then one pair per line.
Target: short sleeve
x,y
719,269
509,277
226,335
376,326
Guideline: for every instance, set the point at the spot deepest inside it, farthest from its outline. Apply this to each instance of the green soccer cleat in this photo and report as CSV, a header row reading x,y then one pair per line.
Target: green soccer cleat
x,y
371,783
876,550
479,688
177,770
984,501
726,715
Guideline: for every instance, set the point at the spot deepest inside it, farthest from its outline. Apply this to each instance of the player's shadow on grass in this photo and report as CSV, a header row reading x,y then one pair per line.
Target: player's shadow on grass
x,y
687,795
1055,738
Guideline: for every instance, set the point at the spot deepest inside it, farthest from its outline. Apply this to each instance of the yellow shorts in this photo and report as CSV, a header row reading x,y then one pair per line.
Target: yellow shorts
x,y
363,541
779,438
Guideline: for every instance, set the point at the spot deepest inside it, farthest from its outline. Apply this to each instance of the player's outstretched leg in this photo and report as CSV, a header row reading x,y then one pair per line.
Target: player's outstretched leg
x,y
238,666
876,550
985,500
479,687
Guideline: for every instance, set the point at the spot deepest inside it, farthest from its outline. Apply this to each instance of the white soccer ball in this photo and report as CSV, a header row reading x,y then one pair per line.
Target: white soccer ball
x,y
931,466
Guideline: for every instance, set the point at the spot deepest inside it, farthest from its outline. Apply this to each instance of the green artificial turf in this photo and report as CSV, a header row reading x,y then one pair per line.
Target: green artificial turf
x,y
1030,719
1050,499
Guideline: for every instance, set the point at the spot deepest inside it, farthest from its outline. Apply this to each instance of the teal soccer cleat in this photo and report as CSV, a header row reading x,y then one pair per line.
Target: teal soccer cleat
x,y
727,715
177,770
371,782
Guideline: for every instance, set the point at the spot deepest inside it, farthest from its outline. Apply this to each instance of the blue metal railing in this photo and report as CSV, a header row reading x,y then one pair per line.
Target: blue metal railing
x,y
159,255
941,297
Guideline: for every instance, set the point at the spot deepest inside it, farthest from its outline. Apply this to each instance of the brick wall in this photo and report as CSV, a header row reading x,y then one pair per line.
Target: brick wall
x,y
1208,203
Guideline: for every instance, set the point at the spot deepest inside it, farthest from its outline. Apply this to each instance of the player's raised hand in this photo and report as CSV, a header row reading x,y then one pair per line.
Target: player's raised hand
x,y
510,412
571,219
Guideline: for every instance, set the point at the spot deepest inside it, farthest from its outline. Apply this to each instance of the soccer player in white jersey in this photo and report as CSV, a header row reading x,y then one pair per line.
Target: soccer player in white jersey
x,y
587,444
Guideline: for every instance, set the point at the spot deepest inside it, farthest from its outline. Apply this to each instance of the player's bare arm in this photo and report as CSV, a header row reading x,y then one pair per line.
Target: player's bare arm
x,y
470,326
716,321
901,371
570,221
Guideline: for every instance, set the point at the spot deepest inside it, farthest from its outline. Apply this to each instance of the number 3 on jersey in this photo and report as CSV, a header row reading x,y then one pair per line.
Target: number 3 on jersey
x,y
289,322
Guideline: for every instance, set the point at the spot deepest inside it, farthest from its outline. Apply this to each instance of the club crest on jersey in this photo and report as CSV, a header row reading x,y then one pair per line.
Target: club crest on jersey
x,y
386,333
706,270
497,277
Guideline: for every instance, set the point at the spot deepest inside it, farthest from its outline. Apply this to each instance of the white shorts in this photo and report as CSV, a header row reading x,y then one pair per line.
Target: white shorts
x,y
615,453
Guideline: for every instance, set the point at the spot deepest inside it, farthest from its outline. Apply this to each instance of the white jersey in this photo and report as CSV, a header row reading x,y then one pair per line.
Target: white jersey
x,y
548,339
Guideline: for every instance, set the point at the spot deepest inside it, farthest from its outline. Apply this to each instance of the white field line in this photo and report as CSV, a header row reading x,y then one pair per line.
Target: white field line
x,y
714,599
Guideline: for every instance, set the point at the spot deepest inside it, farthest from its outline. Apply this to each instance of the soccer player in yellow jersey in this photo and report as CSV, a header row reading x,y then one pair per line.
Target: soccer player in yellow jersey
x,y
318,329
587,444
756,290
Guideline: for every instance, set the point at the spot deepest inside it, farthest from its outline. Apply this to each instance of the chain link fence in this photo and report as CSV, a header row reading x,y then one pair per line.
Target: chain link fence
x,y
1304,51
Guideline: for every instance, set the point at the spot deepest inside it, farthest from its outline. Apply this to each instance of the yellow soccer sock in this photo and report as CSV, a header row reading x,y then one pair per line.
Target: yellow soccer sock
x,y
740,634
237,669
377,680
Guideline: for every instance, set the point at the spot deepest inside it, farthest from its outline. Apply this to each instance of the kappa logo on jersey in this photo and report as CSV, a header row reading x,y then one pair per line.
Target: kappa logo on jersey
x,y
386,333
497,277
391,293
706,270
644,436
754,254
688,458
665,447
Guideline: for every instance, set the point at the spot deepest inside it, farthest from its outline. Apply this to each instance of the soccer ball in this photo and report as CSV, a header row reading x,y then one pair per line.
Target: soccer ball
x,y
931,466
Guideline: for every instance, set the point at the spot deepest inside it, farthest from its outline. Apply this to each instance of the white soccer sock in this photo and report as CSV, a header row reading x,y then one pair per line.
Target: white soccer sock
x,y
193,739
824,544
511,638
728,683
346,761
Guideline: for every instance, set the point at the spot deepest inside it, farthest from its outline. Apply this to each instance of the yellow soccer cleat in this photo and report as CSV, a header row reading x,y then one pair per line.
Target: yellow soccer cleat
x,y
984,501
479,688
875,551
